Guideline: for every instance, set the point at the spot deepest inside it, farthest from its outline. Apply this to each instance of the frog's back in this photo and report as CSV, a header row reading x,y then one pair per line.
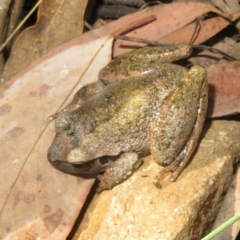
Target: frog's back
x,y
123,108
130,107
123,113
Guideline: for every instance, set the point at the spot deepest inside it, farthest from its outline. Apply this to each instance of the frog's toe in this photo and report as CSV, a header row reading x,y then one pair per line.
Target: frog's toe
x,y
161,176
157,184
173,169
101,188
176,173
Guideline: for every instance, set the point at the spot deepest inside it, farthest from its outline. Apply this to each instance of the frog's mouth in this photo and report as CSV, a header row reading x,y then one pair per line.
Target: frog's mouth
x,y
92,167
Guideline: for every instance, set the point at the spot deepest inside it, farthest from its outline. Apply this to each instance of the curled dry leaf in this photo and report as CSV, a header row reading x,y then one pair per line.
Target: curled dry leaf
x,y
54,26
224,85
9,18
170,17
208,28
228,6
36,200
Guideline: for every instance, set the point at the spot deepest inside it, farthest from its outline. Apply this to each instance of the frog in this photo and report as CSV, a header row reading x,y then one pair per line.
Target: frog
x,y
142,103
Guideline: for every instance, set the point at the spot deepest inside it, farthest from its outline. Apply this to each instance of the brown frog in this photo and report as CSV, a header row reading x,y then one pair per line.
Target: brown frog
x,y
141,105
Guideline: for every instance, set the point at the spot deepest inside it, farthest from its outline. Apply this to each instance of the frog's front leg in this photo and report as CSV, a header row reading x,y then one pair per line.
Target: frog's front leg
x,y
119,170
175,135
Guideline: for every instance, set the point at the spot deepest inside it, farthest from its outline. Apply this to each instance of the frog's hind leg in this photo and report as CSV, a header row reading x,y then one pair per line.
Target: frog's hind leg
x,y
176,130
183,158
119,170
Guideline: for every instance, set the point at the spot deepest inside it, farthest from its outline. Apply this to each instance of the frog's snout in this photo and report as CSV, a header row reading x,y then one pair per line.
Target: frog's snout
x,y
56,152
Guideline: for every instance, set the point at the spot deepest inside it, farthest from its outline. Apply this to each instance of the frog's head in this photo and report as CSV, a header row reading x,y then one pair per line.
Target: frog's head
x,y
70,153
75,150
66,157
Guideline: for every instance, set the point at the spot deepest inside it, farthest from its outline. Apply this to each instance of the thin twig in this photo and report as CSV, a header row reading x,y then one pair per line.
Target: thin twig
x,y
215,50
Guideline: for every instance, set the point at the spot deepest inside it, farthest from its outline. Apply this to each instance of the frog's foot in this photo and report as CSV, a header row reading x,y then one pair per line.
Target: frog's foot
x,y
119,170
175,168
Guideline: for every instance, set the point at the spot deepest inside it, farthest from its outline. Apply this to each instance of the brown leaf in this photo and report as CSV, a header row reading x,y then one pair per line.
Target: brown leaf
x,y
54,26
224,85
208,28
170,17
9,18
228,6
36,199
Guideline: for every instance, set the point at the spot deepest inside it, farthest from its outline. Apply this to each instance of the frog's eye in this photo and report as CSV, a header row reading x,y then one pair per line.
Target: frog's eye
x,y
91,167
104,161
95,166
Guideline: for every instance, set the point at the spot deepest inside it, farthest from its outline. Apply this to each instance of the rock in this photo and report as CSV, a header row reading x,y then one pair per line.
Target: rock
x,y
184,209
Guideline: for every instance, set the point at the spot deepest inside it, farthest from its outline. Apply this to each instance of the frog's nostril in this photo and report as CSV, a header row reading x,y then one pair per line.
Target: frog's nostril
x,y
56,151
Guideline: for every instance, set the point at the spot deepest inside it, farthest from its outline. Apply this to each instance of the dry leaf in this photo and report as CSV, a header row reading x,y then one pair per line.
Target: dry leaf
x,y
208,28
228,6
58,22
224,85
9,17
38,201
170,17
